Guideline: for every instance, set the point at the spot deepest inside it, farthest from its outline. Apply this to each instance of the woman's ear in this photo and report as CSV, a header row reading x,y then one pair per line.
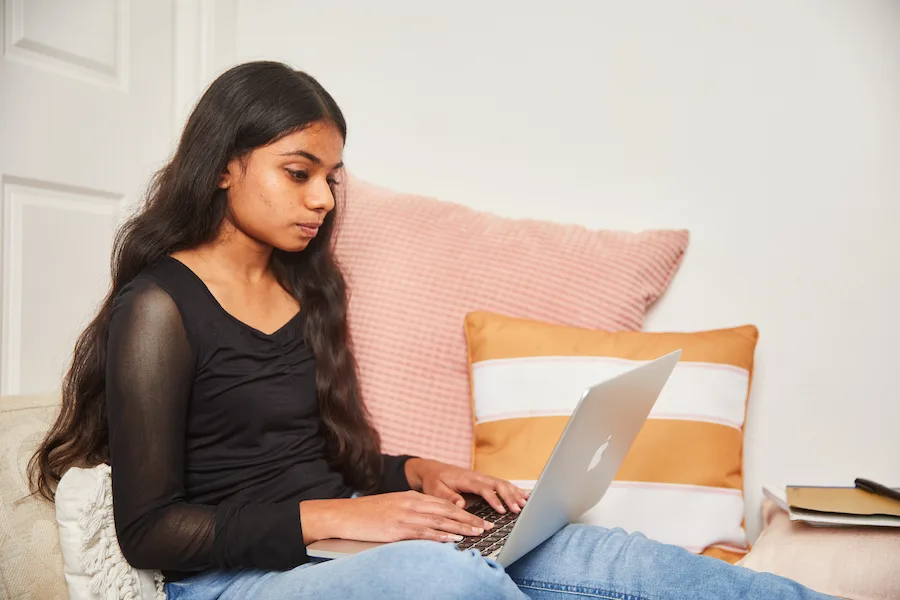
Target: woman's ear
x,y
227,176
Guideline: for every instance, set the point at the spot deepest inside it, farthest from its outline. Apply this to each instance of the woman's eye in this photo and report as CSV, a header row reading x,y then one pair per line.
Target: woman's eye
x,y
332,182
298,175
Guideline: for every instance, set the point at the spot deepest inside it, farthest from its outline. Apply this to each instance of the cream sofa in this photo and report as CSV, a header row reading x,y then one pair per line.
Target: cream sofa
x,y
31,565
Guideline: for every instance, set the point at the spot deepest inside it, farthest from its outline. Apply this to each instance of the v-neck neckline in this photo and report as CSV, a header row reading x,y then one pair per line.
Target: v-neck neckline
x,y
227,314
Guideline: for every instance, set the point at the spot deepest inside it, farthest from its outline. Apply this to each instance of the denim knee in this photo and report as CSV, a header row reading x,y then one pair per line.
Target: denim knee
x,y
447,572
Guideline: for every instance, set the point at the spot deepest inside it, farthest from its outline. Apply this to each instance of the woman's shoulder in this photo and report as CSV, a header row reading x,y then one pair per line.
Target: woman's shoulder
x,y
145,311
168,275
146,292
151,282
163,289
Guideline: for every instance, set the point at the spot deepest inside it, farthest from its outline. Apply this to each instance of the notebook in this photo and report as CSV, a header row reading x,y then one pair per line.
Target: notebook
x,y
835,506
843,500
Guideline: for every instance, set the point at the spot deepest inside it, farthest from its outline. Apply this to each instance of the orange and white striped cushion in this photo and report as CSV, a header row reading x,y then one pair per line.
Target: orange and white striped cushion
x,y
682,481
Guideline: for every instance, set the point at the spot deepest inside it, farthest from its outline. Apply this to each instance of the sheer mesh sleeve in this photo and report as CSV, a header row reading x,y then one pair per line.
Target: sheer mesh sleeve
x,y
150,372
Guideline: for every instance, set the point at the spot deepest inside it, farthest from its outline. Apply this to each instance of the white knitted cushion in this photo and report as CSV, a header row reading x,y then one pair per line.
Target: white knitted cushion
x,y
94,566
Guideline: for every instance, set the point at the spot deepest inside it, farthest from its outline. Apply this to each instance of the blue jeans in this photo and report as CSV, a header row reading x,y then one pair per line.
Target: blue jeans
x,y
579,562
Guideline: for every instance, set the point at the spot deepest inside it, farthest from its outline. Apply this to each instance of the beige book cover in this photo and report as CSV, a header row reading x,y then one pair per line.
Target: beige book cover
x,y
841,500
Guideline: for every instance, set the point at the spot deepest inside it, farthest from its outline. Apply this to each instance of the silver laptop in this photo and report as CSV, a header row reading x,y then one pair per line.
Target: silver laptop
x,y
586,458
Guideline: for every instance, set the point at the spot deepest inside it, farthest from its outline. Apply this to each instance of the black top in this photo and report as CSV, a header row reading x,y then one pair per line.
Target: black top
x,y
215,433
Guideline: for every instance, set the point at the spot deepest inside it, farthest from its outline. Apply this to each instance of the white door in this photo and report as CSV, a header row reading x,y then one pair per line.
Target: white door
x,y
86,116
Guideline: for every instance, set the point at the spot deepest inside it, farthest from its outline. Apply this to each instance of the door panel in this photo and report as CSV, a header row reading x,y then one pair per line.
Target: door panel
x,y
86,116
50,34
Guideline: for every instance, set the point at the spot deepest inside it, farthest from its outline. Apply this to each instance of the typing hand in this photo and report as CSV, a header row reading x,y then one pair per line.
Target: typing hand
x,y
450,482
388,518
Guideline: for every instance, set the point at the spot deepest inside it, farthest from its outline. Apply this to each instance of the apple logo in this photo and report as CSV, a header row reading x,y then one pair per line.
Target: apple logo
x,y
599,454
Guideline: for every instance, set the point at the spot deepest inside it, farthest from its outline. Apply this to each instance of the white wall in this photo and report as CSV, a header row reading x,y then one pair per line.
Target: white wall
x,y
770,129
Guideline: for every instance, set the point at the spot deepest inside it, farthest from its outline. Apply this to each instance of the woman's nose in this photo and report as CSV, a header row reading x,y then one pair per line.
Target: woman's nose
x,y
320,197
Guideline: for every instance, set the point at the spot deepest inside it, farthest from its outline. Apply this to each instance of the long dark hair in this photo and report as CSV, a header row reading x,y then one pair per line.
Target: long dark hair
x,y
249,106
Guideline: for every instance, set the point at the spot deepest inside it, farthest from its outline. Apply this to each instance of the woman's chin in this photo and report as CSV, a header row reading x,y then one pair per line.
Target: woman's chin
x,y
294,245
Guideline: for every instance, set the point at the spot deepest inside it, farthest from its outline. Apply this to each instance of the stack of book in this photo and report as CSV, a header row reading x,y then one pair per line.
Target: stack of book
x,y
838,506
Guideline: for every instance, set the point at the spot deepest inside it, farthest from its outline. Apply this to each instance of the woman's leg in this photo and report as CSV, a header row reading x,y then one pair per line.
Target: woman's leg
x,y
592,562
414,570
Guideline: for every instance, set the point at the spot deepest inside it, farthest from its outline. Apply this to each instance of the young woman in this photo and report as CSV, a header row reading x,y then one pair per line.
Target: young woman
x,y
219,382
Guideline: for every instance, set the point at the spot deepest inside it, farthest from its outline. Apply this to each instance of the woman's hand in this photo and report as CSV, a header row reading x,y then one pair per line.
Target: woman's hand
x,y
449,482
388,518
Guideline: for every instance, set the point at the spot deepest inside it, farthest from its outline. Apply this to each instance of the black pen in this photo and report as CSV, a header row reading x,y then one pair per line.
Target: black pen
x,y
876,488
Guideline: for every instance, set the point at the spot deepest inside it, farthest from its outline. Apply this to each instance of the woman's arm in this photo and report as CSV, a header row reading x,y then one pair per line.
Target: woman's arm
x,y
150,372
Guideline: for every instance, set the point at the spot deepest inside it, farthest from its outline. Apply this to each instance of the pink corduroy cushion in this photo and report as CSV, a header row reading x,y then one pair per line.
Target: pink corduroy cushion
x,y
416,266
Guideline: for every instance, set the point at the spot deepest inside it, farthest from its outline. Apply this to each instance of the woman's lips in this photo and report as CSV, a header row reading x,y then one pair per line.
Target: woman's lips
x,y
309,229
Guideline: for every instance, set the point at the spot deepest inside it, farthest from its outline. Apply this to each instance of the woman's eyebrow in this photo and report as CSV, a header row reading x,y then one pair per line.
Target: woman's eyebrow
x,y
312,158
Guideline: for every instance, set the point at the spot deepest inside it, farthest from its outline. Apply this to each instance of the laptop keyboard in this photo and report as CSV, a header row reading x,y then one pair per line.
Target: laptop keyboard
x,y
491,540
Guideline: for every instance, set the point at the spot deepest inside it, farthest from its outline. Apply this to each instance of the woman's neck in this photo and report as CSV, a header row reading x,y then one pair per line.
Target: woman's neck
x,y
235,255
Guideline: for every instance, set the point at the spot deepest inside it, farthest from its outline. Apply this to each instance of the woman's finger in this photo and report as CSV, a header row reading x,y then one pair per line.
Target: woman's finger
x,y
488,492
521,495
423,532
442,523
444,492
509,496
439,506
437,500
486,487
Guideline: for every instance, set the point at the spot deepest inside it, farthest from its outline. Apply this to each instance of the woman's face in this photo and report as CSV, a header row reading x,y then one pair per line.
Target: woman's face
x,y
279,194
